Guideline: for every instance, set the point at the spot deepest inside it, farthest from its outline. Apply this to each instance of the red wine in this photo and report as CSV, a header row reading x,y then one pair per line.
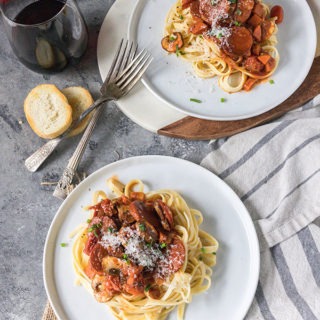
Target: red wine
x,y
49,34
39,11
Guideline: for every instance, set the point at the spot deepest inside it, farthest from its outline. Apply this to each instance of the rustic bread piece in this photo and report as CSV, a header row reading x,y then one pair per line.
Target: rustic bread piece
x,y
47,111
79,99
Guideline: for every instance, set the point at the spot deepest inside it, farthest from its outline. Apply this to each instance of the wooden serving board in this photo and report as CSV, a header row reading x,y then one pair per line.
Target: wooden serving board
x,y
198,129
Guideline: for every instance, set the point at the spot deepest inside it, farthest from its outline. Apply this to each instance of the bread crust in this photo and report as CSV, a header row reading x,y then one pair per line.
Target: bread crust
x,y
80,100
31,103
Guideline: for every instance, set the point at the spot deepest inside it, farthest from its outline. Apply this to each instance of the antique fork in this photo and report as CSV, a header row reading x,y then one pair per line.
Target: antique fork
x,y
126,70
112,89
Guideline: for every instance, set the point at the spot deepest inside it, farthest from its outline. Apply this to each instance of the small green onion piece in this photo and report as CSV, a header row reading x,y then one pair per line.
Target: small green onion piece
x,y
142,227
148,244
89,220
219,35
232,1
237,23
95,233
200,258
125,256
271,81
214,253
222,100
238,12
163,245
63,244
110,230
195,100
90,229
181,17
147,288
203,250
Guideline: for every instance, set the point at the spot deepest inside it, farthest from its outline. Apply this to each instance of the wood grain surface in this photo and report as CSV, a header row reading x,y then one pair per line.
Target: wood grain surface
x,y
199,129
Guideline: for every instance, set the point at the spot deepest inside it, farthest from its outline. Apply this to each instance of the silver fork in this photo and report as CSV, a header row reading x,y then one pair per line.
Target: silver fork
x,y
123,75
126,70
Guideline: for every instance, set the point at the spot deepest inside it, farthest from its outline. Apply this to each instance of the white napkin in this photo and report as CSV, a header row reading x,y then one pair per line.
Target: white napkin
x,y
275,170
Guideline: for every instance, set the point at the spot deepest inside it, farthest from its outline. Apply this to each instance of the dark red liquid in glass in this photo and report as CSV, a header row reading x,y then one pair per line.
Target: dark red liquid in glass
x,y
49,34
39,11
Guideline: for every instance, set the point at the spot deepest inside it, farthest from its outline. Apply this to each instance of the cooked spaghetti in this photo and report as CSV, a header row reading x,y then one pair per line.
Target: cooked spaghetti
x,y
143,254
234,40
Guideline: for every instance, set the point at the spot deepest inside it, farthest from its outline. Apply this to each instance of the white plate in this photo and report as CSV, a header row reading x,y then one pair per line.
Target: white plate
x,y
235,275
172,80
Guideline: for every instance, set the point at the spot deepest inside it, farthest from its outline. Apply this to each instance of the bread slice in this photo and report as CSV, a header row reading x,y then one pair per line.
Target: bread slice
x,y
47,111
80,100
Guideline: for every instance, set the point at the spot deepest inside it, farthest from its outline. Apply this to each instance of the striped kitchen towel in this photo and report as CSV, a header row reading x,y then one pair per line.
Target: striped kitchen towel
x,y
275,170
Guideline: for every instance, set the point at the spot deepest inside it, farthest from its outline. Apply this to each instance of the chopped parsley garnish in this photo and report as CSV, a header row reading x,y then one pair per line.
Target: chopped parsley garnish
x,y
200,258
179,52
172,38
142,227
214,253
271,81
95,226
125,258
223,100
163,245
111,230
95,233
203,250
232,1
89,220
236,23
181,17
195,100
63,244
238,12
147,288
148,244
214,2
219,35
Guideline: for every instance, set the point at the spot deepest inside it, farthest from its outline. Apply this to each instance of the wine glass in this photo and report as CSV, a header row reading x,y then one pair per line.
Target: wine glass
x,y
45,35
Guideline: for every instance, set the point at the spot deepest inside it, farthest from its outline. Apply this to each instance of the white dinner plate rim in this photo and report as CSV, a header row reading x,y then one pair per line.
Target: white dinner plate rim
x,y
245,218
277,102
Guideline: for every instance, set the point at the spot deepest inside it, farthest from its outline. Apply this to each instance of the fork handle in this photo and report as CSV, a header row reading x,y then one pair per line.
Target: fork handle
x,y
62,188
38,157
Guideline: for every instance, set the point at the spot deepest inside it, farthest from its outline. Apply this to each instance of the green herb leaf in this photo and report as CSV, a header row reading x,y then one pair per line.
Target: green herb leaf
x,y
219,36
271,81
111,230
142,227
232,1
200,258
236,23
89,220
195,100
214,253
179,52
238,12
95,233
203,250
181,17
63,244
223,100
125,256
148,244
163,245
147,288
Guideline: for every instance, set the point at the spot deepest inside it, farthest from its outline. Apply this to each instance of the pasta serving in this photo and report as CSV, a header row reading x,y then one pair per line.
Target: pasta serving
x,y
143,254
234,40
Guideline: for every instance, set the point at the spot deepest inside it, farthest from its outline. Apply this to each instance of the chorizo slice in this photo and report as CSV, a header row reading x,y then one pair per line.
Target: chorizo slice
x,y
91,242
141,212
239,42
177,255
252,64
244,10
198,26
96,256
186,3
165,214
194,9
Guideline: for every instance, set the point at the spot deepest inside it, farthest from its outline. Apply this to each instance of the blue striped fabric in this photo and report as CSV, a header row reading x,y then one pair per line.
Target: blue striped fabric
x,y
275,170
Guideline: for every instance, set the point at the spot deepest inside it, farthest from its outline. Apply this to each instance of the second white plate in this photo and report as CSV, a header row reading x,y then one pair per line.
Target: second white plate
x,y
172,81
235,276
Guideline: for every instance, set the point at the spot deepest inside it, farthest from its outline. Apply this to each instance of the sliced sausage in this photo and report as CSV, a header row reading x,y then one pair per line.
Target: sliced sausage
x,y
252,64
164,214
243,11
147,231
194,9
213,12
198,26
141,212
108,225
91,242
239,42
177,254
96,256
108,207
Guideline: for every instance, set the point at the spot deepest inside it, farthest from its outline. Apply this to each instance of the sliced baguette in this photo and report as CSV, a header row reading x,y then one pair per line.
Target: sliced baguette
x,y
80,100
47,111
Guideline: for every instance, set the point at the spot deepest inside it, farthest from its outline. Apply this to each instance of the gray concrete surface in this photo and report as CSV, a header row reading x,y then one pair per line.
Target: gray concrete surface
x,y
27,208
